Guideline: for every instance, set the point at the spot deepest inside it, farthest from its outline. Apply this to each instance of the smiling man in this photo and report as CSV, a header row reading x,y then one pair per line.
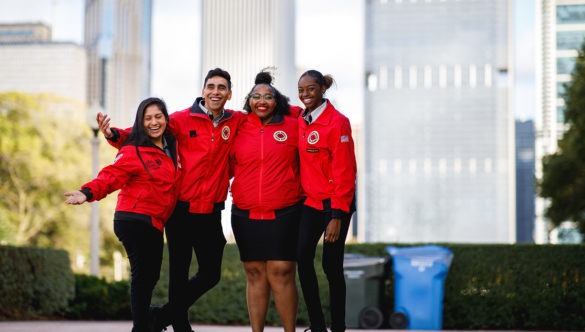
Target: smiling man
x,y
205,133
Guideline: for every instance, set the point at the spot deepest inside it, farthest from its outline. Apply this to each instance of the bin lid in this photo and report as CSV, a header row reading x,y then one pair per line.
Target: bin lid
x,y
363,261
424,254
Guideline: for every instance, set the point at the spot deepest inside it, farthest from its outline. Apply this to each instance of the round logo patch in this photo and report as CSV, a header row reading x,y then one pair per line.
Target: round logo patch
x,y
313,137
225,133
280,136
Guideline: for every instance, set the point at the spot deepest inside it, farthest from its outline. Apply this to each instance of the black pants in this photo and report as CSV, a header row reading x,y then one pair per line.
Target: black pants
x,y
312,227
187,233
144,247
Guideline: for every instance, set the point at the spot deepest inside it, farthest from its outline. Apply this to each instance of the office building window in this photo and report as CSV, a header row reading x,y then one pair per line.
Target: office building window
x,y
428,77
383,78
561,114
570,40
397,166
398,77
372,82
472,76
412,166
570,14
412,72
565,65
442,76
472,166
457,76
487,165
488,75
442,166
457,166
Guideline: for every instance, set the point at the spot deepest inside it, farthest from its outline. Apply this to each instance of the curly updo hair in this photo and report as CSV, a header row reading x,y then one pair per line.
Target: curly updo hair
x,y
282,102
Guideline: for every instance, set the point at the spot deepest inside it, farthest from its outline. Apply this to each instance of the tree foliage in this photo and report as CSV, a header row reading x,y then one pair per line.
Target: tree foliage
x,y
563,181
42,155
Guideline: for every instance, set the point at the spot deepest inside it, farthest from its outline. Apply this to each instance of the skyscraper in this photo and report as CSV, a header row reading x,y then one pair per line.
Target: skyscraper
x,y
243,37
525,191
562,27
439,128
118,42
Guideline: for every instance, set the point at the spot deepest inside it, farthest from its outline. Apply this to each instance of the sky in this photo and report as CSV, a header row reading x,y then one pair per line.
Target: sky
x,y
328,40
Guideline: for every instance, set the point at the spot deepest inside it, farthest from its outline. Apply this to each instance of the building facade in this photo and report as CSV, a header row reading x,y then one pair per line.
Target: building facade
x,y
525,185
118,43
562,32
244,37
30,62
439,127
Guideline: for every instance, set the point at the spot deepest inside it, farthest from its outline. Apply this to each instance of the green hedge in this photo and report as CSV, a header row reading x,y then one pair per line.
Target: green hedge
x,y
508,287
496,287
96,298
34,283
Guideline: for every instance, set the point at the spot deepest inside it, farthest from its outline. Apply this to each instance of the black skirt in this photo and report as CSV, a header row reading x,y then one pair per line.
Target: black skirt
x,y
266,240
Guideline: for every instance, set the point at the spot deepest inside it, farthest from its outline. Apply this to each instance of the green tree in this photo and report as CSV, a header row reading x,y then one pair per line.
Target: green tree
x,y
42,155
563,181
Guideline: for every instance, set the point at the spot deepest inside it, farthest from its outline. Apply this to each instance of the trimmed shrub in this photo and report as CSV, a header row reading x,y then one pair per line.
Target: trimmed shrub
x,y
96,299
34,282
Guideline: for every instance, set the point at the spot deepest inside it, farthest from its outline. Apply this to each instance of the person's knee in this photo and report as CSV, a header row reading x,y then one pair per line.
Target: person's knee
x,y
255,272
282,272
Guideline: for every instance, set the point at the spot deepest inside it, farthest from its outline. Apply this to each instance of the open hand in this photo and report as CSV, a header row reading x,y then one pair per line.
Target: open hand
x,y
103,121
75,197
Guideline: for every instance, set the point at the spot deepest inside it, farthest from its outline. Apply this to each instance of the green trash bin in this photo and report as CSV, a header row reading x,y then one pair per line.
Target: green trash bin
x,y
364,281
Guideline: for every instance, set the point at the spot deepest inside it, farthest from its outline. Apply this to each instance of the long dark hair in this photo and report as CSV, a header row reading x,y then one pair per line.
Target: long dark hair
x,y
282,106
138,136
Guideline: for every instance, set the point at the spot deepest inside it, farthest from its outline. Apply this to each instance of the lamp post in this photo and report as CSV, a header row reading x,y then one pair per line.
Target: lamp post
x,y
94,247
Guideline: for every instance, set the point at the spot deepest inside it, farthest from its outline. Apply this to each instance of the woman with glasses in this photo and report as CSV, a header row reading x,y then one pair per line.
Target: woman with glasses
x,y
266,202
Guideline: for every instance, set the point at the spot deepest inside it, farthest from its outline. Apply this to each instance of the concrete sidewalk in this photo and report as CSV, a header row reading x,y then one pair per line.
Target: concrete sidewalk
x,y
122,326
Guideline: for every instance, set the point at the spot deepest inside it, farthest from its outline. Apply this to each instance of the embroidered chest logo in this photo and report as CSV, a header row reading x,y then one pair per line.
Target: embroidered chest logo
x,y
153,164
280,136
313,137
225,133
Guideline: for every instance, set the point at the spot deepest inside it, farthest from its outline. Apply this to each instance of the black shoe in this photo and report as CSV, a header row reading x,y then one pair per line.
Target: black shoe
x,y
158,319
313,329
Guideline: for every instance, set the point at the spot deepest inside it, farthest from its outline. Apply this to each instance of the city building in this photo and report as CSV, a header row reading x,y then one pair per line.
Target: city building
x,y
562,32
439,126
30,62
525,181
118,43
244,37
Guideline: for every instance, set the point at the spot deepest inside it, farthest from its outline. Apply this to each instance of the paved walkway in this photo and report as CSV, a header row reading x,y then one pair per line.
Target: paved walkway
x,y
122,326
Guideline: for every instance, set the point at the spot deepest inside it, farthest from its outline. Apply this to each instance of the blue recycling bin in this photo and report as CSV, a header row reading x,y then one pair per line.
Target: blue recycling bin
x,y
419,279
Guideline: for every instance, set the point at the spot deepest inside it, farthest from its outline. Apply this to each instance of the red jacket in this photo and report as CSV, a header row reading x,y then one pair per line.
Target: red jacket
x,y
203,151
151,193
265,161
328,165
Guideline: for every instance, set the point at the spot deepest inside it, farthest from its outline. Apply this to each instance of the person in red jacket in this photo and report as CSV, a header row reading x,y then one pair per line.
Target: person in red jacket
x,y
266,194
205,132
146,170
328,176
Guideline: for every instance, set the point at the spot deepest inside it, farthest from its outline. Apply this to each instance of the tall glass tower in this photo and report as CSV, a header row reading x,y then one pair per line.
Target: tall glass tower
x,y
118,43
439,127
243,37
